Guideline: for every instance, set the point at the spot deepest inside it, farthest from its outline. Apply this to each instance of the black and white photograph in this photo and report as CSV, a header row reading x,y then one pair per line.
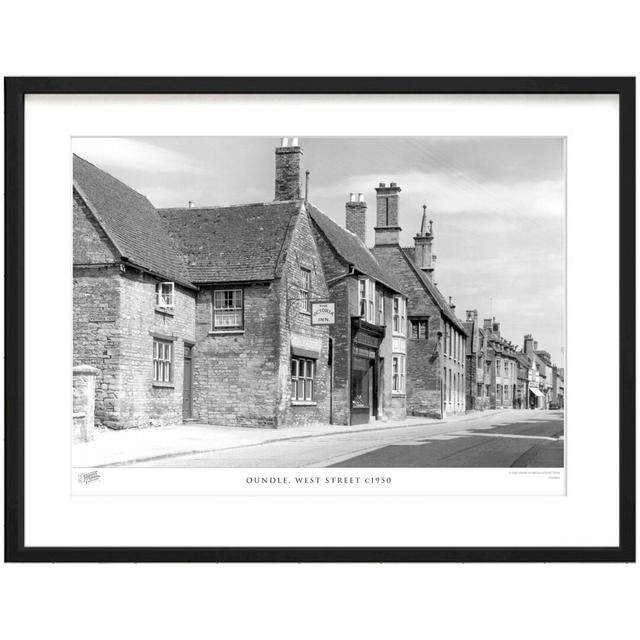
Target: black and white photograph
x,y
295,302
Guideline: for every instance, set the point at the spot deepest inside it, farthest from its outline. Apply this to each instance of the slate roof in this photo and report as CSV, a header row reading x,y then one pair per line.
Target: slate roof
x,y
240,243
351,249
130,221
409,255
502,347
410,252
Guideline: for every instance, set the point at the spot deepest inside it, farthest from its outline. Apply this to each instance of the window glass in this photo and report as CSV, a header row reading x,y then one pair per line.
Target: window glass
x,y
227,309
399,315
366,299
162,350
164,294
302,375
305,290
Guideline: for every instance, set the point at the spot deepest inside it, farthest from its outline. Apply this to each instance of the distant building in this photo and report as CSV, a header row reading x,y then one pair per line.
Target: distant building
x,y
478,369
540,366
522,389
557,387
504,368
436,337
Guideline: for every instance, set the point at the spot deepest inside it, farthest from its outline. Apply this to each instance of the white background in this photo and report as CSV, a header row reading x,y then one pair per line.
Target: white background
x,y
586,516
462,38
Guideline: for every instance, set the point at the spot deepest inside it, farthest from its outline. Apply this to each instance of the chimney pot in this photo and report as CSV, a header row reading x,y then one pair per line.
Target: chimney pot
x,y
191,204
284,142
294,141
382,184
393,184
361,197
352,197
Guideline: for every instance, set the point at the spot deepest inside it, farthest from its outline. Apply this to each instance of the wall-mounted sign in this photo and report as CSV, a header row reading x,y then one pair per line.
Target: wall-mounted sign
x,y
323,313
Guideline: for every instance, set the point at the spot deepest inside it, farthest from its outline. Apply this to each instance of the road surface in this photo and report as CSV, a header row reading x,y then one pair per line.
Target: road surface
x,y
517,438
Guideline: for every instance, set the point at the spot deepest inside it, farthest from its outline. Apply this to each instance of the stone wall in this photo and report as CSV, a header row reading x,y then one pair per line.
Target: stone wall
x,y
424,357
96,335
114,318
296,323
235,374
243,378
344,292
141,402
90,243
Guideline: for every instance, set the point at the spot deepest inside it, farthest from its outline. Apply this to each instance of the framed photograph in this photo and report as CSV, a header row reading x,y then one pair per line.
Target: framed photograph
x,y
320,319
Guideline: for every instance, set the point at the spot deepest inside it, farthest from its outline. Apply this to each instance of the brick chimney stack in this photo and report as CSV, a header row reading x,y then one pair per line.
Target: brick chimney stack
x,y
356,215
528,344
423,240
288,170
387,211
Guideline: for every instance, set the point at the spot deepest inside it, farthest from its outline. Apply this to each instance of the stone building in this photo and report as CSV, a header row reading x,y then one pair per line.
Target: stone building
x,y
369,335
133,303
524,375
199,314
503,368
557,390
478,369
204,313
537,375
436,338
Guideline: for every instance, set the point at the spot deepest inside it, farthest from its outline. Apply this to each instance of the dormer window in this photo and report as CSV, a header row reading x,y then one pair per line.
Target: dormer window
x,y
165,295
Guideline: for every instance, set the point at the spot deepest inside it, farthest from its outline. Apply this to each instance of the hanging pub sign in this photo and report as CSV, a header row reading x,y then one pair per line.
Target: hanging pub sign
x,y
323,313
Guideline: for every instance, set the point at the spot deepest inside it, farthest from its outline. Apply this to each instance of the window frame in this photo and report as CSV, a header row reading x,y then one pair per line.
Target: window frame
x,y
398,374
162,364
305,293
419,321
227,328
160,301
308,381
368,314
400,316
380,306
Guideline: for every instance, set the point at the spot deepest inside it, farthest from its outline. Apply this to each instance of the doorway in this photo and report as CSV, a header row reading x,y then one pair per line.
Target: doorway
x,y
364,392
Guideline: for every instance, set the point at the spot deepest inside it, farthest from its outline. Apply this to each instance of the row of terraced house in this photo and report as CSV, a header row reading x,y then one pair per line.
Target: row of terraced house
x,y
272,314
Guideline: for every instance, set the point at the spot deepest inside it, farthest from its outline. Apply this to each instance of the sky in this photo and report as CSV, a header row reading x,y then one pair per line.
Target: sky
x,y
497,205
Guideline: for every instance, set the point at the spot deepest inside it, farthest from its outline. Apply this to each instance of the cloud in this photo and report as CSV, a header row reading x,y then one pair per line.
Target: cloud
x,y
126,154
459,193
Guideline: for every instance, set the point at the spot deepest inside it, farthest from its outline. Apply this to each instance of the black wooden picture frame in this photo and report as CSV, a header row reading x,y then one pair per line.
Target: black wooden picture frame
x,y
15,91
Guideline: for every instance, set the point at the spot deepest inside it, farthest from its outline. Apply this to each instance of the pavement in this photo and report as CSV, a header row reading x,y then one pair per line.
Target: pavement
x,y
153,445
